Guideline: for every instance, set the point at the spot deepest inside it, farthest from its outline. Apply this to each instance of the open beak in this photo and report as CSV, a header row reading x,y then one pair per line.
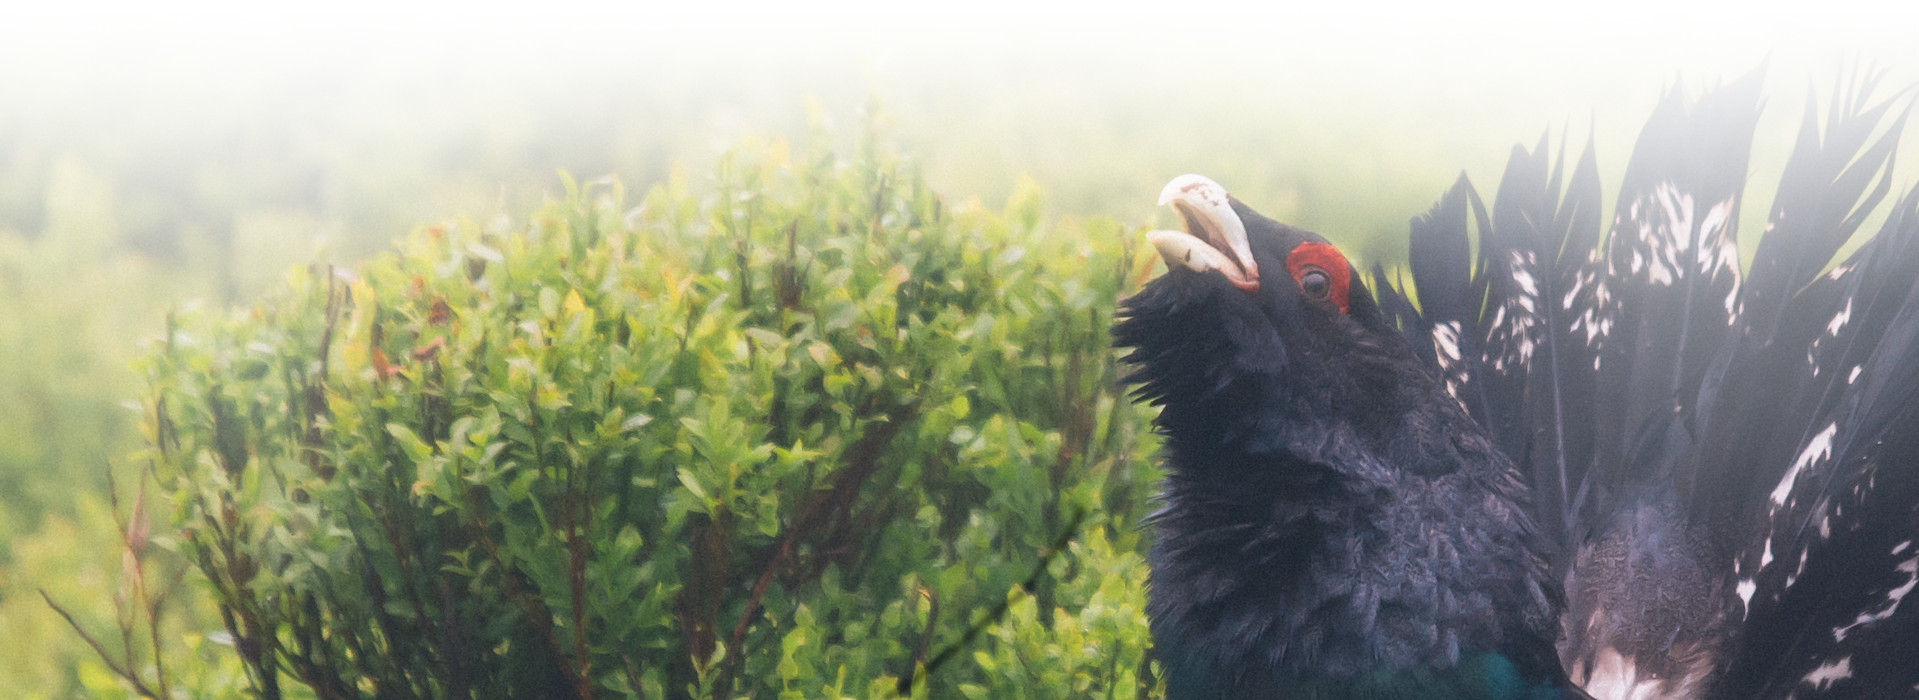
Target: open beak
x,y
1214,239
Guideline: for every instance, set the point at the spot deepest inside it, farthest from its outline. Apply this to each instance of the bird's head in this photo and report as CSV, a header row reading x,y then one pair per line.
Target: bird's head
x,y
1261,334
1313,461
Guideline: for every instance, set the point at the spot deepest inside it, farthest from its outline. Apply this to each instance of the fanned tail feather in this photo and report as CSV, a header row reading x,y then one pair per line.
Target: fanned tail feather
x,y
1827,555
1744,452
1798,419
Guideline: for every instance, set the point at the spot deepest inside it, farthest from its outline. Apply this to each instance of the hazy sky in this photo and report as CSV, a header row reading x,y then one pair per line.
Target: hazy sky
x,y
1094,99
1448,40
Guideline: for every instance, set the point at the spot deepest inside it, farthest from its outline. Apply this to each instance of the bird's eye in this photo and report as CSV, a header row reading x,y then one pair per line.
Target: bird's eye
x,y
1315,283
1322,273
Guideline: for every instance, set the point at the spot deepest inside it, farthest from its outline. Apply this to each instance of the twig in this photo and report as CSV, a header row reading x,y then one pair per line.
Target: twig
x,y
999,611
865,459
536,614
926,641
99,650
137,545
753,603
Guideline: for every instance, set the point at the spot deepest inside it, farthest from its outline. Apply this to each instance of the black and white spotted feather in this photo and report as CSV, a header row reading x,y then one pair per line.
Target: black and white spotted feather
x,y
1730,467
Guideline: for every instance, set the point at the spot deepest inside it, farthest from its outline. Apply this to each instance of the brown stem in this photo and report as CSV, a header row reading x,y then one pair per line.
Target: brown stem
x,y
578,511
709,572
1046,558
136,530
738,636
541,618
314,391
101,651
864,460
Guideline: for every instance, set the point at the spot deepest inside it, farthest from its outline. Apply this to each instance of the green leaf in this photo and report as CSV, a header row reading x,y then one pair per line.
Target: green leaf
x,y
692,483
635,422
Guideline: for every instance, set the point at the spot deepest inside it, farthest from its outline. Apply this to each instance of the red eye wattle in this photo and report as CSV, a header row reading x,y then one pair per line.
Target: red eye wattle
x,y
1321,271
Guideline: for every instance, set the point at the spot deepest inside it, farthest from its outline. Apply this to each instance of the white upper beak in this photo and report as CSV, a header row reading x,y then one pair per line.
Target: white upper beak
x,y
1204,206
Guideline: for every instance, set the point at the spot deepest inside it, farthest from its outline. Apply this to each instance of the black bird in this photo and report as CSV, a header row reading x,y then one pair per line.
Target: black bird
x,y
1581,464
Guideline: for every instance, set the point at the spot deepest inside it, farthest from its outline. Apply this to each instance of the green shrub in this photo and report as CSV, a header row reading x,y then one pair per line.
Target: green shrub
x,y
806,431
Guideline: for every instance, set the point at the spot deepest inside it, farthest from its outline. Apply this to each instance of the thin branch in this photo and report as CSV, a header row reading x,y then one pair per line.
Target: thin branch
x,y
926,641
999,611
99,650
536,614
753,603
864,458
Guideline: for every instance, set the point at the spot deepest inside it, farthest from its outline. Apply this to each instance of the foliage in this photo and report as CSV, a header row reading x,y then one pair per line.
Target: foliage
x,y
75,302
810,432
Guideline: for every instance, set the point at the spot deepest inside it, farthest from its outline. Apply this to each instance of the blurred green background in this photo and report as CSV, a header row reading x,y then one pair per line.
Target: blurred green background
x,y
152,159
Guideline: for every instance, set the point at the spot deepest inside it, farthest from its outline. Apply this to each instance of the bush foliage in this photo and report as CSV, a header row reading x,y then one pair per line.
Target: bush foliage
x,y
804,430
